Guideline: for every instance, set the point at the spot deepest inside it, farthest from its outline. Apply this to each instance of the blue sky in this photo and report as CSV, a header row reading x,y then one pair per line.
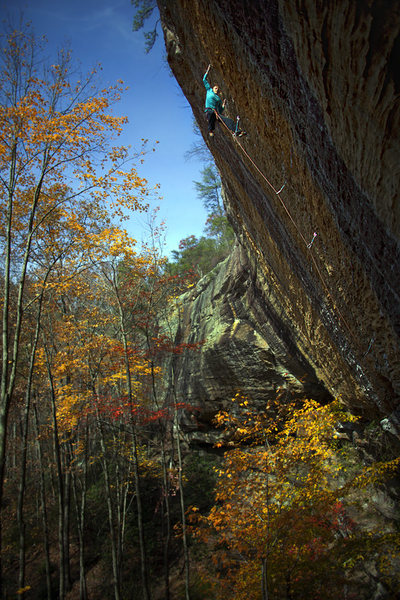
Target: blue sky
x,y
100,31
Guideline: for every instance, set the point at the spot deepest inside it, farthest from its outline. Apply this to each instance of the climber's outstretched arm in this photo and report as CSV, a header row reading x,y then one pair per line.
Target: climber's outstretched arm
x,y
206,84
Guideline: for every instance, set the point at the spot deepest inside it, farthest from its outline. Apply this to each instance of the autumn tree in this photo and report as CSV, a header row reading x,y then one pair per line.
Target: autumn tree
x,y
87,368
71,350
141,296
58,173
283,522
101,348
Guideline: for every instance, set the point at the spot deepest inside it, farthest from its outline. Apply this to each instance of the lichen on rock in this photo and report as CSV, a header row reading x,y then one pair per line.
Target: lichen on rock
x,y
246,346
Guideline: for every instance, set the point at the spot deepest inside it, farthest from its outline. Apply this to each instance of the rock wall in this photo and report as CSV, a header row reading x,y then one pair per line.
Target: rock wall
x,y
317,88
245,346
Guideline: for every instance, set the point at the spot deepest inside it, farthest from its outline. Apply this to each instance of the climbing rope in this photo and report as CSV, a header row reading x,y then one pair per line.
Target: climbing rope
x,y
307,244
277,192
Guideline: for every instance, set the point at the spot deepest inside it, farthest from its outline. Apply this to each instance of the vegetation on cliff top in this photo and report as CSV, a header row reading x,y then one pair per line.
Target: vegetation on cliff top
x,y
199,255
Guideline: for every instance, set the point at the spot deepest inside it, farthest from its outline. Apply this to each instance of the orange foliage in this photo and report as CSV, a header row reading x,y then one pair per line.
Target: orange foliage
x,y
280,527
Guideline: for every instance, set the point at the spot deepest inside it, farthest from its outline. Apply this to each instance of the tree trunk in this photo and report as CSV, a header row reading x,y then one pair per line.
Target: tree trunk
x,y
166,482
264,581
80,507
167,539
111,518
66,526
60,482
182,505
46,543
264,564
21,495
143,558
28,393
122,488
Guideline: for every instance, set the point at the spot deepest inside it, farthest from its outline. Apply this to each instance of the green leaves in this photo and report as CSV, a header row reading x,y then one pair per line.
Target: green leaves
x,y
200,255
144,12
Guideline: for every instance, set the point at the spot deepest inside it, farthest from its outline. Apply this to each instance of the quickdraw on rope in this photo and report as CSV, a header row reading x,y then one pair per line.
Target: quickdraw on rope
x,y
277,192
370,346
312,241
308,244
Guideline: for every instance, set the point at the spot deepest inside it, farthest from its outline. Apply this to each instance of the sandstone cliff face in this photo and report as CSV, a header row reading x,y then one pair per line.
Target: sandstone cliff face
x,y
245,349
317,88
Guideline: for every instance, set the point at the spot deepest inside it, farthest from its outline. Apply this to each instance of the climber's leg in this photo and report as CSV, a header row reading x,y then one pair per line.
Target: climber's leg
x,y
230,123
211,118
232,126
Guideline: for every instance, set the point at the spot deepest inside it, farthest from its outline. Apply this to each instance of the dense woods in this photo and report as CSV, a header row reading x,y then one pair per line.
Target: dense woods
x,y
101,496
81,387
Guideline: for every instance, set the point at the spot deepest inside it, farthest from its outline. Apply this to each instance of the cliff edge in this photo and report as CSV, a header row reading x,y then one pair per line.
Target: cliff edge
x,y
317,90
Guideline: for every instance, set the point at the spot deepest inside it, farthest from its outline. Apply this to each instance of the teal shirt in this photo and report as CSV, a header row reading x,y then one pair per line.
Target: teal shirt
x,y
213,101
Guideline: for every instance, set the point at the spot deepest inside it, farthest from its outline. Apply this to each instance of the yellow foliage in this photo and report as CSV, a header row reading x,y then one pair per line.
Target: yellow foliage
x,y
280,498
21,591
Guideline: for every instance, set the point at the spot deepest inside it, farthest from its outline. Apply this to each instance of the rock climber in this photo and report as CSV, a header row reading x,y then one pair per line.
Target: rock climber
x,y
214,105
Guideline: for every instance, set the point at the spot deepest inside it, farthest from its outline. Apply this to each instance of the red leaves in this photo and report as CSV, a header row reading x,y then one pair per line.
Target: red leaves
x,y
120,408
188,242
163,344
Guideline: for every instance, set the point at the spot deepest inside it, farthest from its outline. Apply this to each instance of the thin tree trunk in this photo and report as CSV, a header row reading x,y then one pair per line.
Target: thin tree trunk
x,y
167,540
21,495
143,558
166,483
111,518
60,482
82,571
182,505
66,527
122,487
264,564
46,543
5,397
123,518
176,429
264,579
80,507
21,491
118,511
